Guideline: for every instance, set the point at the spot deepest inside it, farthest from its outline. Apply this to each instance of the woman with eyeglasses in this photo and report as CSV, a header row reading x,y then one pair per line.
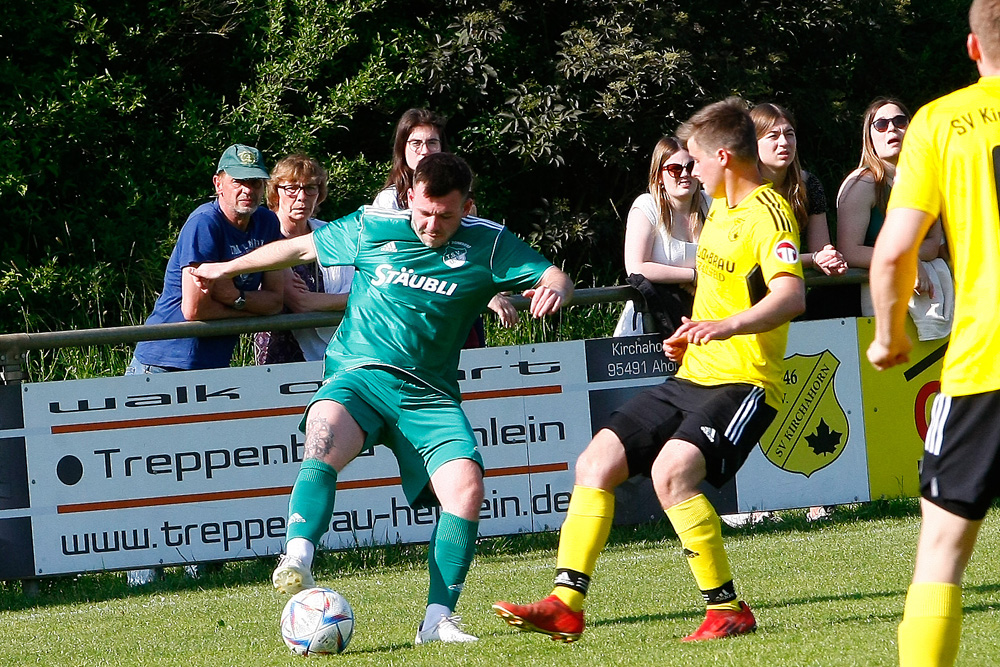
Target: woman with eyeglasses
x,y
661,236
777,150
298,185
419,133
864,194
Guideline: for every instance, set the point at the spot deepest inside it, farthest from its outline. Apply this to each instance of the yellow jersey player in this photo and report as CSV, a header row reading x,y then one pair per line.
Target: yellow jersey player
x,y
948,168
703,423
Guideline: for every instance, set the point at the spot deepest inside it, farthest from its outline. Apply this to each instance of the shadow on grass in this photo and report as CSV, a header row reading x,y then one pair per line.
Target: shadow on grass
x,y
332,564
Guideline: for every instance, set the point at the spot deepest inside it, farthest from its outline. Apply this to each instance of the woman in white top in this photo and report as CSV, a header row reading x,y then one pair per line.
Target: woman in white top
x,y
420,132
663,226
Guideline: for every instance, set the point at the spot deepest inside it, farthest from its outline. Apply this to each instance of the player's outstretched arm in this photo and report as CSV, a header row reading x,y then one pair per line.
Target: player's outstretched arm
x,y
891,278
275,255
550,294
786,298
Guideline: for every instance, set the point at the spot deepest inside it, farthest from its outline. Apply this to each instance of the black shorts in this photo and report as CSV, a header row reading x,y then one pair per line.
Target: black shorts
x,y
725,422
960,471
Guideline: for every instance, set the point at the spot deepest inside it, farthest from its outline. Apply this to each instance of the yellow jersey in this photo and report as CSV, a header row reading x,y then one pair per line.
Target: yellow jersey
x,y
948,168
740,250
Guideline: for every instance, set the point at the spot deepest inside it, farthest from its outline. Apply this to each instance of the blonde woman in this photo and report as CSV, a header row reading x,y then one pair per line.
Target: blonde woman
x,y
864,194
662,230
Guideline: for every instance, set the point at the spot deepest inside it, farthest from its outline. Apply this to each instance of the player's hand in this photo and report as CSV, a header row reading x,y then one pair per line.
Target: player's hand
x,y
702,331
505,310
897,351
203,276
675,347
544,300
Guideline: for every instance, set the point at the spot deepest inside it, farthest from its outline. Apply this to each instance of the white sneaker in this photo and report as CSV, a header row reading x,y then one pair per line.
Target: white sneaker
x,y
291,575
447,630
144,576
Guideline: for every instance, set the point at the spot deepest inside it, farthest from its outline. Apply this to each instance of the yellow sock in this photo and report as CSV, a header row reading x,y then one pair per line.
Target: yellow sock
x,y
932,625
700,531
581,539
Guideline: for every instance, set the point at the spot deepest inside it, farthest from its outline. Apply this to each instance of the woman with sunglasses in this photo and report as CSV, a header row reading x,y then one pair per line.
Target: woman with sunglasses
x,y
298,185
662,230
419,133
864,194
777,149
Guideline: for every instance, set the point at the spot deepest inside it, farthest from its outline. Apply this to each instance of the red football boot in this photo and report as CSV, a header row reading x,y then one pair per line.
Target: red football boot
x,y
720,623
550,616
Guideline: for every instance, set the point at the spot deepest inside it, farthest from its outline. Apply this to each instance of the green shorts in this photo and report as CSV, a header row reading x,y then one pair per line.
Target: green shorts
x,y
423,427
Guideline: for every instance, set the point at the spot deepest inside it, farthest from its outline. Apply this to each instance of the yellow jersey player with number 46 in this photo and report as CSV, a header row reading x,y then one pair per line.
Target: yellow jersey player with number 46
x,y
703,423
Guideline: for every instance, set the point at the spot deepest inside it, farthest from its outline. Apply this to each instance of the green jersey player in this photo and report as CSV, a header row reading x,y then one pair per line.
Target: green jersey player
x,y
422,276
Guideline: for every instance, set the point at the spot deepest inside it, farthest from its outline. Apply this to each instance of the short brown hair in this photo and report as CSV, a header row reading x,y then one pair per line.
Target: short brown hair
x,y
984,22
442,174
296,168
724,124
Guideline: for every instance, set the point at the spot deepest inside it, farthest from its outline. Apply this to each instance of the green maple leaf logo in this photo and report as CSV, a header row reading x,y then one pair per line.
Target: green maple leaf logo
x,y
824,441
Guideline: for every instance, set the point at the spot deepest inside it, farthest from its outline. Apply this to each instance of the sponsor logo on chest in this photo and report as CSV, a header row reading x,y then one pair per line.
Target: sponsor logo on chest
x,y
387,274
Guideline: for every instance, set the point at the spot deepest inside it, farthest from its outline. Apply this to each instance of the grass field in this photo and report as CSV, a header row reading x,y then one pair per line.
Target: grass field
x,y
826,595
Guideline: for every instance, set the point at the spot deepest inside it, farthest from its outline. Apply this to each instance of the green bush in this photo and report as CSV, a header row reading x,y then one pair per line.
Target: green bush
x,y
117,112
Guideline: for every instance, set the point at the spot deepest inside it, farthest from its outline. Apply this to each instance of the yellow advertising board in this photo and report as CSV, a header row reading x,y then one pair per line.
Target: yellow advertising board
x,y
896,405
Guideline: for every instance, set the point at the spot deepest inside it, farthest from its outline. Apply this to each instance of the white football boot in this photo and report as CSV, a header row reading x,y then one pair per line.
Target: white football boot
x,y
291,575
448,630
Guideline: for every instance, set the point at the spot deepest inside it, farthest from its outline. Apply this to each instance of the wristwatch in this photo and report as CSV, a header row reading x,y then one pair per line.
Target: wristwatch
x,y
241,301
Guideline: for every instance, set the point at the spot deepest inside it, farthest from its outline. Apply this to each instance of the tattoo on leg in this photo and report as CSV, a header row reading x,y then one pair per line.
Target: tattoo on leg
x,y
319,438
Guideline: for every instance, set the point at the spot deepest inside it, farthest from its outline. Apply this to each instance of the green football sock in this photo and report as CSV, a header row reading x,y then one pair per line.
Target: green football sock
x,y
449,555
310,506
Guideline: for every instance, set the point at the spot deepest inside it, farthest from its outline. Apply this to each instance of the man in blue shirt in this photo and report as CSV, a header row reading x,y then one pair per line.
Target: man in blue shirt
x,y
231,225
227,227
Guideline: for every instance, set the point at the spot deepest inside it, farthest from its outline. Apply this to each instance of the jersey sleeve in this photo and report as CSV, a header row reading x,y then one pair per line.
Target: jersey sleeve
x,y
917,177
337,241
516,265
777,250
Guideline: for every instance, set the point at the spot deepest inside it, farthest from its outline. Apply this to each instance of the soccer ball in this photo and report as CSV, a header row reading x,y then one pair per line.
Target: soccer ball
x,y
317,620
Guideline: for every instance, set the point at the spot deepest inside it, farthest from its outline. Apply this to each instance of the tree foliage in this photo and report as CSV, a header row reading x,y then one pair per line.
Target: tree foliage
x,y
116,112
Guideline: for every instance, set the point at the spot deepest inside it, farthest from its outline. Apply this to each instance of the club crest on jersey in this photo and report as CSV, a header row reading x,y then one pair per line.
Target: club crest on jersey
x,y
786,252
454,255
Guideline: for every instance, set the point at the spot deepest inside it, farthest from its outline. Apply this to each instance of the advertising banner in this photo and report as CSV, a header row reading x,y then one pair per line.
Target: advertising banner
x,y
174,468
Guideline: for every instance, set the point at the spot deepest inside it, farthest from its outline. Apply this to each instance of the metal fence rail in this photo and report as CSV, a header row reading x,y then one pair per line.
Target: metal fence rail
x,y
14,346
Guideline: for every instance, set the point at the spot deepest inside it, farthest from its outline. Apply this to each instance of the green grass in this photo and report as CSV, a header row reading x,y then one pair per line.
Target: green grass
x,y
825,595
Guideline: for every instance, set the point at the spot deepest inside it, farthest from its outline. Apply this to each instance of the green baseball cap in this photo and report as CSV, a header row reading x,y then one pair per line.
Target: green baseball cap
x,y
243,162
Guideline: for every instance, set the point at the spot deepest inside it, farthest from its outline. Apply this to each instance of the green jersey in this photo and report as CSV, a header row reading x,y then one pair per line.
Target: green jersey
x,y
411,307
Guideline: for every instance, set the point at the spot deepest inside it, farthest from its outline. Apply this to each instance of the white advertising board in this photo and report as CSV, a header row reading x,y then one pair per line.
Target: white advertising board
x,y
134,471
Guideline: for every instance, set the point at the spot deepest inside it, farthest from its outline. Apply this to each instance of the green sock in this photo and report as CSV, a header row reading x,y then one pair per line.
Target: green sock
x,y
310,506
449,556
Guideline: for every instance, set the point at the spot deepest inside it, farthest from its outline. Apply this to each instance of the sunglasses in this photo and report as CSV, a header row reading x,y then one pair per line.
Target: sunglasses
x,y
899,122
677,170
